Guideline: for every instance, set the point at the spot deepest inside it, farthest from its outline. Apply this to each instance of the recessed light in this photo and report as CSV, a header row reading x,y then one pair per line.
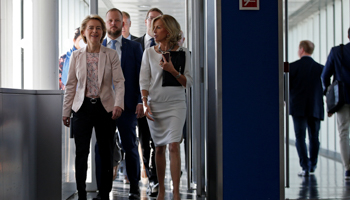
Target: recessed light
x,y
144,6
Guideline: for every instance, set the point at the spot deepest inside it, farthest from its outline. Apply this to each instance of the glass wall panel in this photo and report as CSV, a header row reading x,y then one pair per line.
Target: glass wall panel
x,y
330,43
338,31
7,36
330,26
316,37
323,36
346,20
11,36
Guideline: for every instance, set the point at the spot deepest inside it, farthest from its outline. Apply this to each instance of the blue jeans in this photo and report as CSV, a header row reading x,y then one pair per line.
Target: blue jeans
x,y
313,126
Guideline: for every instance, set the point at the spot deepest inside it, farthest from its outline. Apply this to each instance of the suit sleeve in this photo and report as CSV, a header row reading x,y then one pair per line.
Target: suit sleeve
x,y
70,87
118,80
138,55
328,71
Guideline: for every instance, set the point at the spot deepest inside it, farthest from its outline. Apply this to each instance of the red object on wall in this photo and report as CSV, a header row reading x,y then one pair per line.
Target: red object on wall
x,y
249,4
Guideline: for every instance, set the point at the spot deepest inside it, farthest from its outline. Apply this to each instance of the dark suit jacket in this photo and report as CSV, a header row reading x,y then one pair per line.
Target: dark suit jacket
x,y
132,37
306,92
131,64
141,40
334,67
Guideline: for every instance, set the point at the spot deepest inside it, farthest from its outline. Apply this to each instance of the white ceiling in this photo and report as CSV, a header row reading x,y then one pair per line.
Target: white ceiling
x,y
138,10
294,5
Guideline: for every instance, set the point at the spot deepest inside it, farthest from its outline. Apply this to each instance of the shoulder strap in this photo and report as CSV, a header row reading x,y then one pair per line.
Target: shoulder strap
x,y
342,58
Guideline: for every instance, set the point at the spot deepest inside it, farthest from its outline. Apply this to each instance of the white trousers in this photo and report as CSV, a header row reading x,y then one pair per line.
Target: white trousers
x,y
343,121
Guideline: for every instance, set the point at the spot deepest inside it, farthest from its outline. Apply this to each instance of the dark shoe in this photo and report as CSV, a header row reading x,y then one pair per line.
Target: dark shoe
x,y
152,190
134,192
304,173
82,195
98,197
347,175
312,169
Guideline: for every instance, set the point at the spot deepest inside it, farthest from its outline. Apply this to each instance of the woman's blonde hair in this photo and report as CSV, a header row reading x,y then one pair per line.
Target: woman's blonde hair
x,y
172,26
84,24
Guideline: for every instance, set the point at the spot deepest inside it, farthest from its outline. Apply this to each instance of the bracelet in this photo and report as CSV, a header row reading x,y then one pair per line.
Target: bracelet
x,y
144,97
178,76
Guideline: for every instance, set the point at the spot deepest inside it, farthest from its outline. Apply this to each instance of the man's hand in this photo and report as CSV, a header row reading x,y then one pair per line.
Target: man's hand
x,y
117,111
139,111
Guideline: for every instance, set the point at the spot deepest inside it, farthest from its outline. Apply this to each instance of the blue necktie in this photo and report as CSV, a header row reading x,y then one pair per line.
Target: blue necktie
x,y
152,42
113,46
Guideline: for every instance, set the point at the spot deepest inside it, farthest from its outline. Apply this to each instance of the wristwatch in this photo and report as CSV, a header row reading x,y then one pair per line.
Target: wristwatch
x,y
178,76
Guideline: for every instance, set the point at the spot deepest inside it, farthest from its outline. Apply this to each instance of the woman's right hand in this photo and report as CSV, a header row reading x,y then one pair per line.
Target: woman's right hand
x,y
147,111
66,121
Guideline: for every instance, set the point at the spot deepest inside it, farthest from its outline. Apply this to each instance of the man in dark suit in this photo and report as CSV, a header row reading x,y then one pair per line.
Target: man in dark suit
x,y
126,28
306,105
145,137
130,54
338,65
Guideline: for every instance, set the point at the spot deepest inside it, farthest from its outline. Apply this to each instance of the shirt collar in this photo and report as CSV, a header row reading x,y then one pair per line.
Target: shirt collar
x,y
147,37
119,39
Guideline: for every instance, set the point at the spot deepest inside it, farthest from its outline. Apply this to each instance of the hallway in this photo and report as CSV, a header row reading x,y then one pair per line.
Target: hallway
x,y
327,183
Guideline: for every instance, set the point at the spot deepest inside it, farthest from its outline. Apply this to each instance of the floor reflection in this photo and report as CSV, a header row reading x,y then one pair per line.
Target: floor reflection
x,y
308,187
327,183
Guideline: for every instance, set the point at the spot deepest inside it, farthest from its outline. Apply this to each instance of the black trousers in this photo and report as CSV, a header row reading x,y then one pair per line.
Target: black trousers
x,y
147,145
93,115
307,160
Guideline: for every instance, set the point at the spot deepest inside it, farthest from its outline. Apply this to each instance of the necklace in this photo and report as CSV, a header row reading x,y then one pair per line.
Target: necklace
x,y
163,52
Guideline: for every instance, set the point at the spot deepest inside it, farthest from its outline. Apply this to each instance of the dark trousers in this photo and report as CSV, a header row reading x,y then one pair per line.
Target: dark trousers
x,y
126,125
313,126
93,116
147,145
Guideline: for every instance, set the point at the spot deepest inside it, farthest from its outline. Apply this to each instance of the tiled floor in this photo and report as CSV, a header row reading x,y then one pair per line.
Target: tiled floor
x,y
327,183
120,190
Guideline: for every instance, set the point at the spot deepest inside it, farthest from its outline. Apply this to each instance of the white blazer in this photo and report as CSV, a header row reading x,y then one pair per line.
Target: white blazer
x,y
109,74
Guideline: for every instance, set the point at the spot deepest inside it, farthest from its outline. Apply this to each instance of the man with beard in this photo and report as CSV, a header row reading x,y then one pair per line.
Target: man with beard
x,y
130,54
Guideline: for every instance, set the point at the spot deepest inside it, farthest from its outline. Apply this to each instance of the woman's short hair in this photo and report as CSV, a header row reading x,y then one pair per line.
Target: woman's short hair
x,y
172,26
307,45
84,24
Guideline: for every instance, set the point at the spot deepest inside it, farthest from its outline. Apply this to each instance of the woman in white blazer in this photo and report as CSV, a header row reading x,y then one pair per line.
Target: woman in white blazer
x,y
95,96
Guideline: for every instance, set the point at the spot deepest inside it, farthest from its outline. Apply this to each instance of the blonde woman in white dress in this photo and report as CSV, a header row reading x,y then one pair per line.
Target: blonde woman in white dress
x,y
165,107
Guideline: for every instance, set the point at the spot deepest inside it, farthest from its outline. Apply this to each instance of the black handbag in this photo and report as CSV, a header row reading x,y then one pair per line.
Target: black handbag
x,y
335,96
335,93
178,58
